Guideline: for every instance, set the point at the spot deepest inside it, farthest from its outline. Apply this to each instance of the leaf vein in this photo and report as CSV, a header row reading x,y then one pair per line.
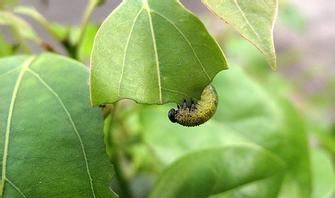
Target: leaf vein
x,y
188,42
246,20
23,70
16,188
8,72
147,8
126,48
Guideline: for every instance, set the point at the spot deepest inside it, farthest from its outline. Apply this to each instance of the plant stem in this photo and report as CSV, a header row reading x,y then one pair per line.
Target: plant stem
x,y
92,4
116,156
70,48
125,191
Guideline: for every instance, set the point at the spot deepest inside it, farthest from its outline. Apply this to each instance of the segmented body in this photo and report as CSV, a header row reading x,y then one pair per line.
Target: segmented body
x,y
194,114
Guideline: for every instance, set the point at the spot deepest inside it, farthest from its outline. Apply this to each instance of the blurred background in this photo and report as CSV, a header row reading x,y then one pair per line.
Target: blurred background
x,y
305,43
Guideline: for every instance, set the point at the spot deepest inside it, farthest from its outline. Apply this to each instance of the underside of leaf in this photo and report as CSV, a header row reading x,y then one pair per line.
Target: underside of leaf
x,y
254,20
153,52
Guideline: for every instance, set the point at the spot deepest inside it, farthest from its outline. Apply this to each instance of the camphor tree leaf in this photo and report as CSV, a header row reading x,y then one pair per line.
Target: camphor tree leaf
x,y
229,171
254,20
147,50
51,140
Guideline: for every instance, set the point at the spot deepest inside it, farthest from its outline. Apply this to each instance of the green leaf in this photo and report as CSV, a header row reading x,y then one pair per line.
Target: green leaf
x,y
147,50
323,174
231,171
246,114
295,152
254,20
51,141
276,124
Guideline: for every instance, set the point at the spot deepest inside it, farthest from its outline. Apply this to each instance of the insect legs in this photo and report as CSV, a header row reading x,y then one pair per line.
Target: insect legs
x,y
192,107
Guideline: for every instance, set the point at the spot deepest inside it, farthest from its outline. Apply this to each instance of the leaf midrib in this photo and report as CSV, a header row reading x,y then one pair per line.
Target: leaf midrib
x,y
247,21
23,70
126,49
54,93
187,41
147,8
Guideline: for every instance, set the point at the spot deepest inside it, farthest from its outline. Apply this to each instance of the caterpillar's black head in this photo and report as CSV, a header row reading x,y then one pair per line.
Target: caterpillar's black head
x,y
172,115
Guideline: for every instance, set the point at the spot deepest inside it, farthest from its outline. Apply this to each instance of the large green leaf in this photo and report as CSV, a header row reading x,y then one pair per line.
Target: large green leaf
x,y
51,141
147,50
276,125
231,171
254,20
246,114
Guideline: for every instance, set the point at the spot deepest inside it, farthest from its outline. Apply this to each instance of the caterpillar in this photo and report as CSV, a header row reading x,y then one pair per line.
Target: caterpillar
x,y
194,114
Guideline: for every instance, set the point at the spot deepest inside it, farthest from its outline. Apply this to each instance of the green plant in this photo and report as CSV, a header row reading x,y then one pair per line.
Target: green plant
x,y
54,144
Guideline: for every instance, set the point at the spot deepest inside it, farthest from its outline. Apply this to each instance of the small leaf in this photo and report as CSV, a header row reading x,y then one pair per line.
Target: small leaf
x,y
254,20
148,50
51,141
230,171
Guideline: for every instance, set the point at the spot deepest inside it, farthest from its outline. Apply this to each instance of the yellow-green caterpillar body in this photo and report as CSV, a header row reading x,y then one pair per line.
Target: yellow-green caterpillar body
x,y
194,114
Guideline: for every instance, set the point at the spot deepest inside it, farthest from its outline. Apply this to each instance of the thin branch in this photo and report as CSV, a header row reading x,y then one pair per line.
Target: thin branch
x,y
92,4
